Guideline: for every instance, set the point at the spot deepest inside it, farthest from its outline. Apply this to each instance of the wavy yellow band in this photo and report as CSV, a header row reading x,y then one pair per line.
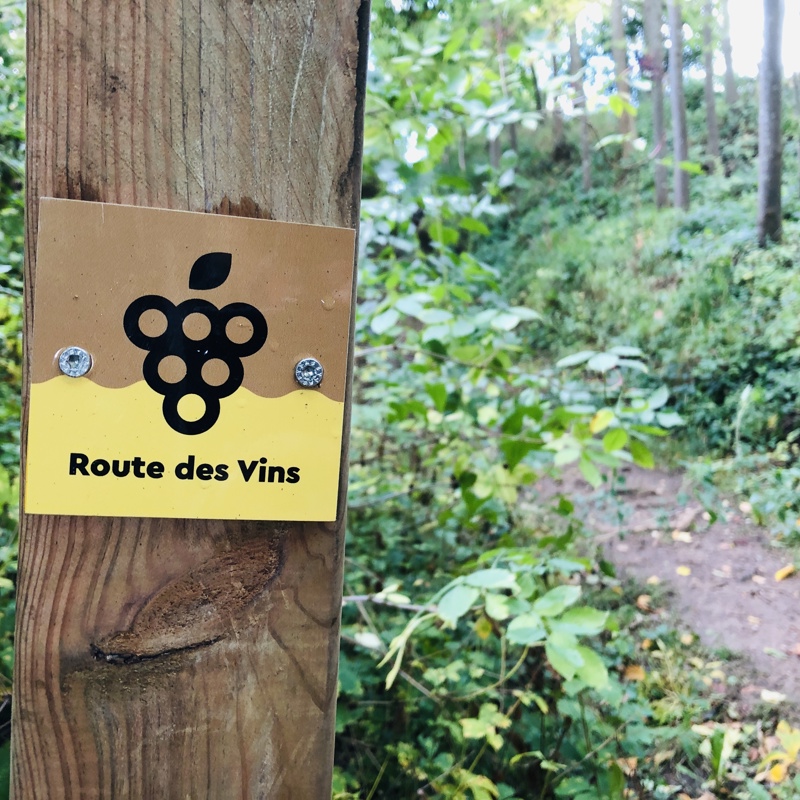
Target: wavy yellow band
x,y
94,451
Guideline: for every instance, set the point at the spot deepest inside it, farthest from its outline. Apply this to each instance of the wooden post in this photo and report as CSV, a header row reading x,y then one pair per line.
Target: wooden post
x,y
239,107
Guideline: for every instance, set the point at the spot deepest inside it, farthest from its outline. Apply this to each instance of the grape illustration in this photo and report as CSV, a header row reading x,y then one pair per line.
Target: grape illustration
x,y
208,272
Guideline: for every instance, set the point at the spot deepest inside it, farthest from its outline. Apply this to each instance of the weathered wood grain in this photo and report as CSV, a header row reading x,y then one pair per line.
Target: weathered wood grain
x,y
170,658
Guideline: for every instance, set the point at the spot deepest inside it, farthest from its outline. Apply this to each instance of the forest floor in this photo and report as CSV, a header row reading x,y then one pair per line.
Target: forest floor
x,y
716,578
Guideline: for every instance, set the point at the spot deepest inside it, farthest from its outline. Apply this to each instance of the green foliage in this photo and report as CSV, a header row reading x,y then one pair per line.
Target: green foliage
x,y
481,656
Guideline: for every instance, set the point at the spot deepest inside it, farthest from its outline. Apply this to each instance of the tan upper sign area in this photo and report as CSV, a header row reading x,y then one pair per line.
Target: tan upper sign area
x,y
298,276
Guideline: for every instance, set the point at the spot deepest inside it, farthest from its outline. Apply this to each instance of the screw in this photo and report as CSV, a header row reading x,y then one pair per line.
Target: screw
x,y
308,373
74,362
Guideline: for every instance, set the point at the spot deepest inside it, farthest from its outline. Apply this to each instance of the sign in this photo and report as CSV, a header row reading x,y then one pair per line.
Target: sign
x,y
191,339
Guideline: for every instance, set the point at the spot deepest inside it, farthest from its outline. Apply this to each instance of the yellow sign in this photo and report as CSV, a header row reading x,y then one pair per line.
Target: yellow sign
x,y
186,365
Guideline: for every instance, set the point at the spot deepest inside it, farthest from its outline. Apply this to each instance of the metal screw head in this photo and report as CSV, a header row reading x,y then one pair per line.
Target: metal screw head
x,y
309,372
74,362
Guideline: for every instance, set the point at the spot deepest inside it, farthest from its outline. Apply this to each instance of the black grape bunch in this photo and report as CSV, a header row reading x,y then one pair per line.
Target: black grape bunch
x,y
209,271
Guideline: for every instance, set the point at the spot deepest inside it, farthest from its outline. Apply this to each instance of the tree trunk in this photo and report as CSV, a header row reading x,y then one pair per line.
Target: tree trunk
x,y
537,92
500,39
619,48
494,153
796,88
224,107
678,103
558,117
731,92
575,66
653,19
711,97
770,144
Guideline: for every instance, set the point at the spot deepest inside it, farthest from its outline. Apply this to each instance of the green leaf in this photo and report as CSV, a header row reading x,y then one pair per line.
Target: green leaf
x,y
641,454
603,362
474,226
496,606
474,728
601,420
669,419
658,399
432,316
524,313
526,629
649,430
691,167
384,321
593,672
625,351
505,321
492,579
582,621
437,393
457,602
619,106
514,450
458,38
615,439
566,456
590,472
564,654
556,600
575,359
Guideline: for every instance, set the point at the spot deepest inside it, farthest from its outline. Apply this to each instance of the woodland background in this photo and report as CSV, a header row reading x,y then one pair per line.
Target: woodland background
x,y
580,231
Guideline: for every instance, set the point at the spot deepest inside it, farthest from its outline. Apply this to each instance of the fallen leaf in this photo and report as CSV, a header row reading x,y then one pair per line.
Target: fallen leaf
x,y
653,580
682,536
628,765
664,755
753,622
643,602
795,650
634,672
646,644
759,579
771,651
777,772
684,571
773,698
785,572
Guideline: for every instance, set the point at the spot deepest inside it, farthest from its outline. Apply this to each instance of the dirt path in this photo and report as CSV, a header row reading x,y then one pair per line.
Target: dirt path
x,y
721,576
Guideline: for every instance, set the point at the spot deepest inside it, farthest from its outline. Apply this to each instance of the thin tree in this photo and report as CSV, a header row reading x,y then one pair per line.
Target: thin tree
x,y
576,68
731,92
678,103
559,140
711,97
654,62
770,144
619,49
